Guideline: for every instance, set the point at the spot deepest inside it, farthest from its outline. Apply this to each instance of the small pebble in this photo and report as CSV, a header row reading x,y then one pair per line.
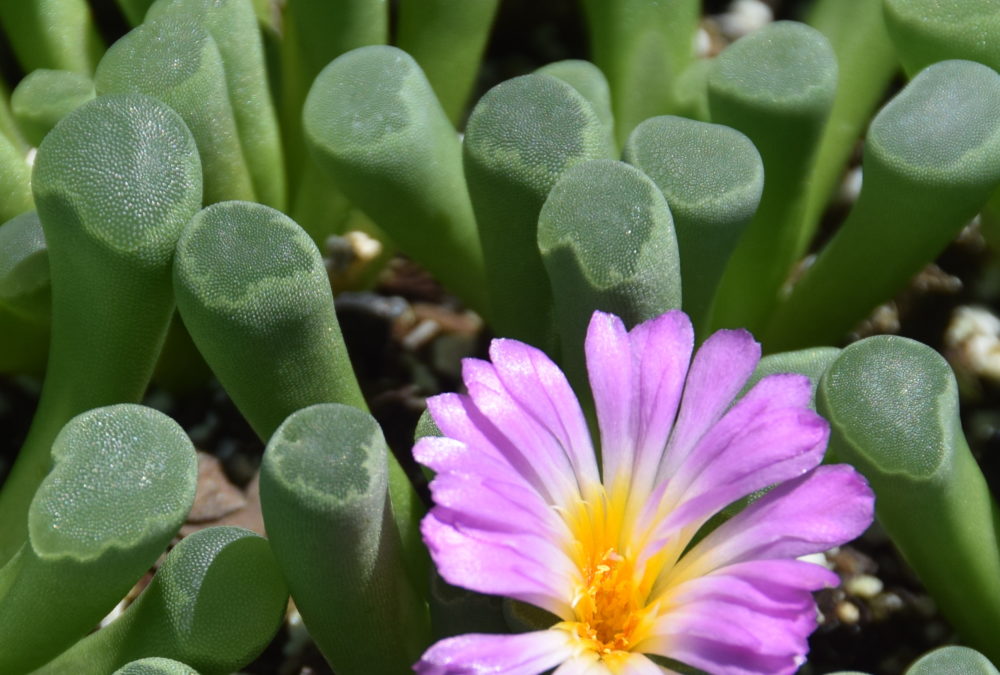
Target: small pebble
x,y
864,586
885,604
848,612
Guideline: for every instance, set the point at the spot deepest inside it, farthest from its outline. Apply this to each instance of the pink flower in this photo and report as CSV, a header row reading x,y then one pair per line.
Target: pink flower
x,y
522,509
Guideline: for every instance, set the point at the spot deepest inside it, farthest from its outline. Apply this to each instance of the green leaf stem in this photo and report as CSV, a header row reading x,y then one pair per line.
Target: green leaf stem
x,y
642,47
607,240
447,39
521,136
712,177
931,160
110,246
56,34
777,86
373,121
123,482
893,410
324,494
214,604
866,61
194,85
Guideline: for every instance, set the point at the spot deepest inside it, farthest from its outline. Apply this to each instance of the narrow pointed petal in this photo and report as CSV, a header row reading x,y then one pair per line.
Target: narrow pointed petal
x,y
610,369
719,370
825,508
542,391
523,566
479,654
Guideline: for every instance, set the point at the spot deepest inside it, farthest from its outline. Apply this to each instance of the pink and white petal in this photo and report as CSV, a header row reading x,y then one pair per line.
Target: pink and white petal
x,y
529,447
718,371
541,389
775,447
448,455
771,395
480,654
827,507
714,653
610,370
796,574
523,566
769,597
491,503
661,350
586,663
639,664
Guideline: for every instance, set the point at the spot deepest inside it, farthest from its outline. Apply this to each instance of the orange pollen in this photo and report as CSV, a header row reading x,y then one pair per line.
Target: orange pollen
x,y
608,608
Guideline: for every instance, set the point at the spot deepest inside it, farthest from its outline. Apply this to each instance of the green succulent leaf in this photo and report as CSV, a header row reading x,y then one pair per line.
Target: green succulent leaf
x,y
777,86
254,294
123,482
110,246
607,240
194,85
155,665
373,121
589,82
892,404
522,135
25,286
214,604
931,160
44,97
56,34
928,31
952,660
712,177
324,493
450,64
15,180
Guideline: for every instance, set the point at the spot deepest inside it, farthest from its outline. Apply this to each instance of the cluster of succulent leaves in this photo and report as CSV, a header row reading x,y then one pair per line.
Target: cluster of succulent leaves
x,y
196,162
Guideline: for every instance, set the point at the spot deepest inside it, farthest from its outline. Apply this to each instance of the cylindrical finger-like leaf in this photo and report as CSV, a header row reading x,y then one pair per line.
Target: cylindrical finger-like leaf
x,y
372,121
712,177
233,26
324,493
520,138
893,410
952,660
123,482
931,160
928,31
812,363
111,242
866,61
58,34
777,86
447,39
44,97
253,292
214,604
194,85
607,241
642,46
589,82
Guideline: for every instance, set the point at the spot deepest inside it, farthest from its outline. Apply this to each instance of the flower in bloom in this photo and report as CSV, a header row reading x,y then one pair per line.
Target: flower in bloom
x,y
525,509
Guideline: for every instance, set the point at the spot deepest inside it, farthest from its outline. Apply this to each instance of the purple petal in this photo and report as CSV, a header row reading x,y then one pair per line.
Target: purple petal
x,y
609,366
520,565
661,349
827,507
719,370
526,444
479,654
542,391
